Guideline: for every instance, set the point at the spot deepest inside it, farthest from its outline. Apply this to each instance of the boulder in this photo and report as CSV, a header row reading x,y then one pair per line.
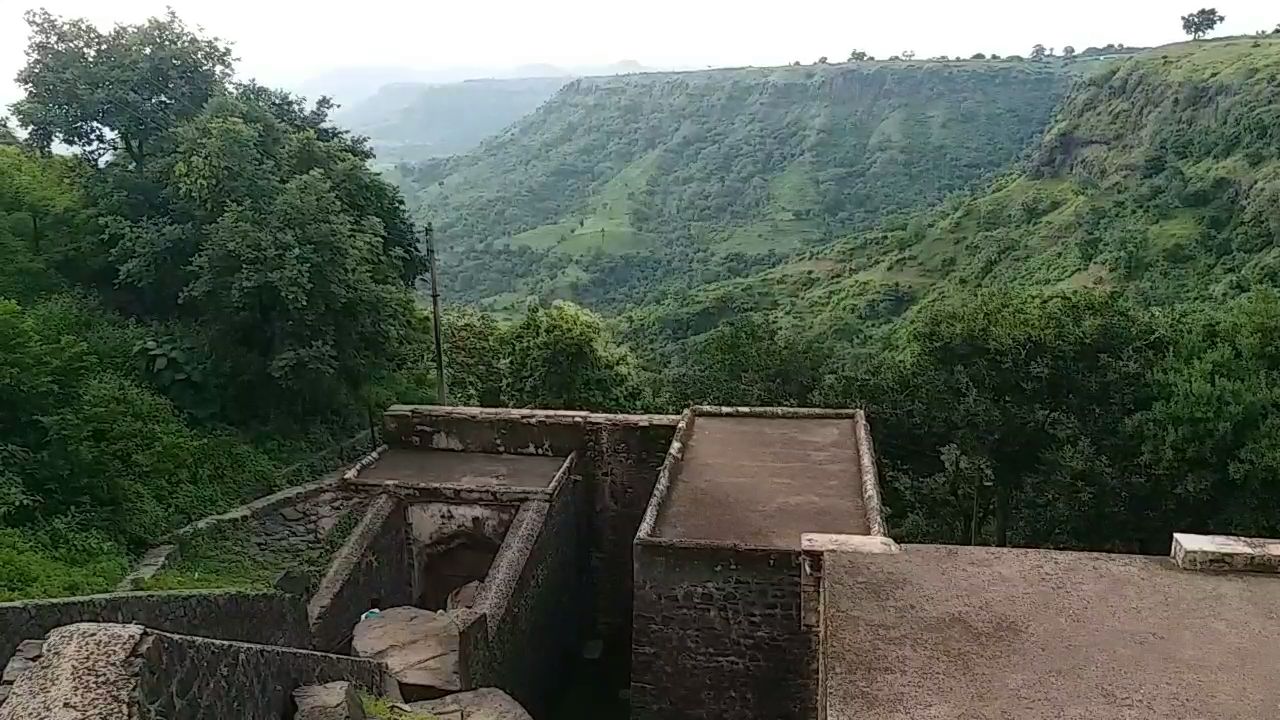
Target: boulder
x,y
88,671
419,647
331,701
465,596
482,704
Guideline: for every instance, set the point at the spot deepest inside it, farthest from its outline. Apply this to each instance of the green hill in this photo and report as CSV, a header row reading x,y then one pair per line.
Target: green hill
x,y
619,186
1159,176
409,122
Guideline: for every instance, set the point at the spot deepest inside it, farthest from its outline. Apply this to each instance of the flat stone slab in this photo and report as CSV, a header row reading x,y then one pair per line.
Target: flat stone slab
x,y
764,481
444,467
1225,552
419,647
482,704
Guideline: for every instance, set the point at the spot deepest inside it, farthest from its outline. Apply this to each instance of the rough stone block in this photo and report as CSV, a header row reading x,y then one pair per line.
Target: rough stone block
x,y
1225,552
331,701
88,672
419,647
482,704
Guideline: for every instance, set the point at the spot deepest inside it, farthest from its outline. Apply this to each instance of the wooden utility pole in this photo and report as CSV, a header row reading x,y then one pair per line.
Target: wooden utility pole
x,y
441,391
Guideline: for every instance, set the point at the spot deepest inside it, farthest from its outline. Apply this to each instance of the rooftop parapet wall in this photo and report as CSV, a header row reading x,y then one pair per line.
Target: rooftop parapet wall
x,y
797,467
373,563
618,461
526,621
720,599
266,617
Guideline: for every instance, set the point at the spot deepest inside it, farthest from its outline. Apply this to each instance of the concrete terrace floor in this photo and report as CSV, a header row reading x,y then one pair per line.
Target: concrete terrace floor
x,y
940,632
765,481
436,467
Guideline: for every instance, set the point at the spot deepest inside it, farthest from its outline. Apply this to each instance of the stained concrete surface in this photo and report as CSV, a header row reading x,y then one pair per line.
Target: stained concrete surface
x,y
984,633
432,467
764,481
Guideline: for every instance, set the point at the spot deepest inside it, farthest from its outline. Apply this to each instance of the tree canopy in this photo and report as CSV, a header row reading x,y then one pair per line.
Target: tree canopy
x,y
1201,22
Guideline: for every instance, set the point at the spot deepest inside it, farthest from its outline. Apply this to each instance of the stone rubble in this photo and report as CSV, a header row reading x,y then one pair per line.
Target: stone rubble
x,y
482,704
331,701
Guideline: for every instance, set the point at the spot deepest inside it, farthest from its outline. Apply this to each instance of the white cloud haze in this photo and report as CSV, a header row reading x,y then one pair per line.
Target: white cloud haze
x,y
284,43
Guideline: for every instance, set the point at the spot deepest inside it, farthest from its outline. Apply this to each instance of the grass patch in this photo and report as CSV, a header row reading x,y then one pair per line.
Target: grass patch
x,y
54,562
379,709
227,555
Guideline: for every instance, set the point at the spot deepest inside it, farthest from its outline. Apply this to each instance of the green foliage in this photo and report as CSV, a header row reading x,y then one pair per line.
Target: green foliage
x,y
381,709
227,555
224,289
617,187
57,562
559,357
117,91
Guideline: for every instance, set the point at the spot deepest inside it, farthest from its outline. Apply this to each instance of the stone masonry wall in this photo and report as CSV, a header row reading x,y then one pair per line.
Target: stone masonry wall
x,y
270,618
535,623
618,460
373,563
188,678
720,623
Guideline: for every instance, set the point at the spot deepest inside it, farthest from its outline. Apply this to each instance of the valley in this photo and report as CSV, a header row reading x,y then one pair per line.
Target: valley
x,y
1050,282
618,188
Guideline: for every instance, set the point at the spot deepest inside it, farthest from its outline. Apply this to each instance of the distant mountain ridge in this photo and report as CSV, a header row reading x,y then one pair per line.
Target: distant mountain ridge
x,y
352,85
1159,178
410,122
618,186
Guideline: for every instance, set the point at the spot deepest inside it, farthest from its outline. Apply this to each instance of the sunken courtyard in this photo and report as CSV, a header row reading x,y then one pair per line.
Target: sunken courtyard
x,y
722,563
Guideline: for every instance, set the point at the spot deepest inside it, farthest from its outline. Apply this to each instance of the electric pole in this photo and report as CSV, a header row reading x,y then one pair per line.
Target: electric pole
x,y
441,392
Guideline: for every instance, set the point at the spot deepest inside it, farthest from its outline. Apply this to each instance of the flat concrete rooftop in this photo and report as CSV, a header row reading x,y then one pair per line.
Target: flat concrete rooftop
x,y
765,481
983,633
435,467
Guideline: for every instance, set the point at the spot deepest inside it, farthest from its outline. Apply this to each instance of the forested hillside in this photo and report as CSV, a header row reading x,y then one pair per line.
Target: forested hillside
x,y
207,302
1157,177
618,186
1075,349
410,122
1081,354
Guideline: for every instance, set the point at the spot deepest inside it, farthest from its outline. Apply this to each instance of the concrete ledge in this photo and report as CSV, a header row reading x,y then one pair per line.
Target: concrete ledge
x,y
867,544
870,476
453,492
1225,552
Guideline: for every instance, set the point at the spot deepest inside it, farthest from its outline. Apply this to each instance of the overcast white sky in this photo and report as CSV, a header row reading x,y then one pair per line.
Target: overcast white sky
x,y
284,42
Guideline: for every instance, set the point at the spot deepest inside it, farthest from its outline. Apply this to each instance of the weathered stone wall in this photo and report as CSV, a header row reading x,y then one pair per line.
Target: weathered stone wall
x,y
618,460
717,634
373,563
188,678
532,602
269,618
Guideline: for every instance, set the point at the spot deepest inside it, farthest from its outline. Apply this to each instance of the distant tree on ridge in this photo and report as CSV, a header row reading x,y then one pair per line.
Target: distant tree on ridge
x,y
1201,22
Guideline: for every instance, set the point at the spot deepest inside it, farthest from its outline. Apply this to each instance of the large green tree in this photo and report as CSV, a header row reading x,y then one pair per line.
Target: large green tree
x,y
234,213
562,357
118,91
